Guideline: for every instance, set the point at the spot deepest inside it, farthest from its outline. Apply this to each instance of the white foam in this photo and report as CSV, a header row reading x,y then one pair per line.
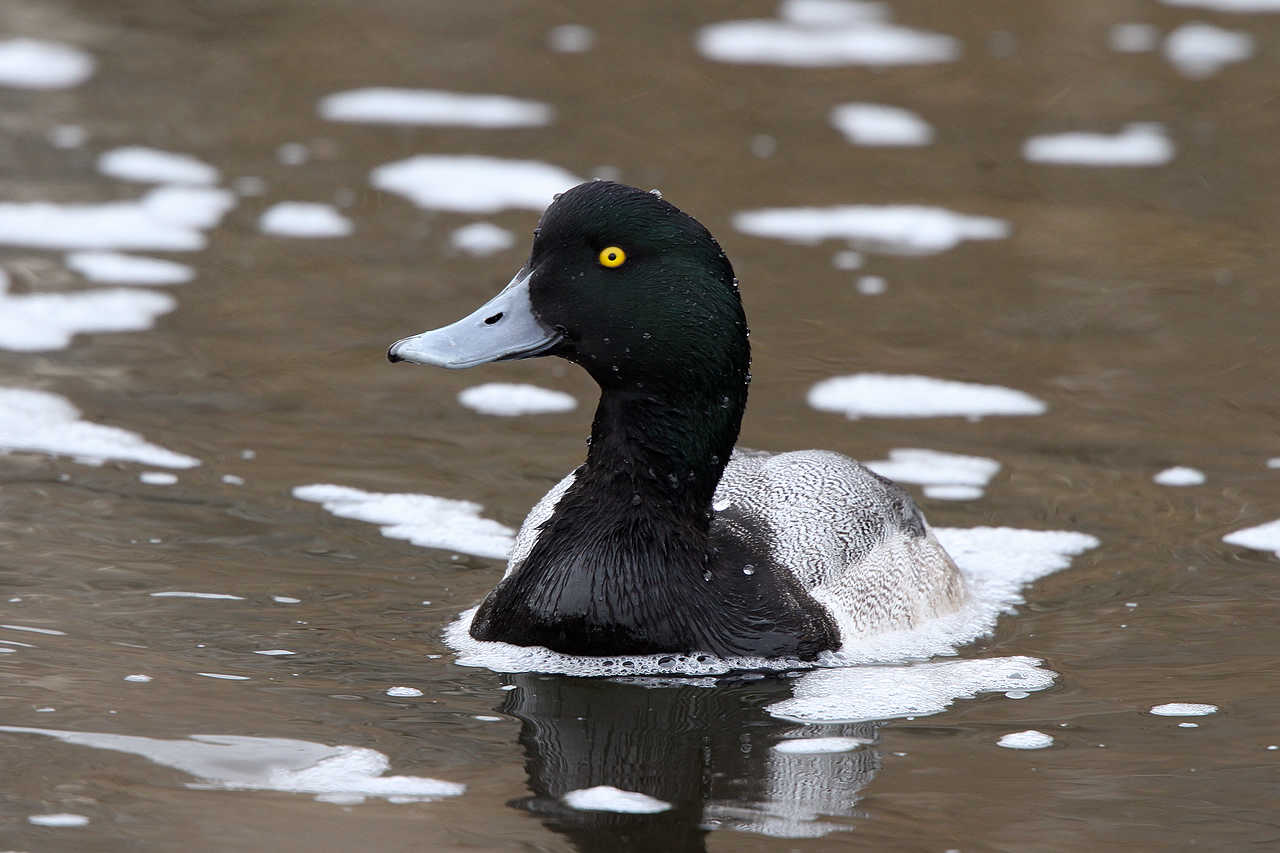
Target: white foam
x,y
883,692
138,678
486,718
166,219
385,105
67,136
816,33
1029,739
208,595
1179,476
1183,709
424,520
846,259
224,676
1273,462
819,745
947,476
481,238
116,268
571,38
1238,6
158,478
880,125
232,480
606,798
407,692
58,819
47,423
1136,145
898,229
995,562
944,492
882,395
285,599
470,183
275,652
238,763
1200,50
1264,537
153,166
304,219
1132,38
38,322
27,628
505,398
871,285
35,64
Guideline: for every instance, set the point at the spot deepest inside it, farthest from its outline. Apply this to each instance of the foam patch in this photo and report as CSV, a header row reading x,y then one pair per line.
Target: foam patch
x,y
1200,50
381,105
117,268
1179,475
151,165
1133,38
304,219
503,398
38,322
165,219
424,520
897,229
816,33
1029,739
469,183
606,798
1264,537
945,476
880,125
1184,709
481,238
41,422
883,395
1135,145
239,763
36,64
1238,6
864,693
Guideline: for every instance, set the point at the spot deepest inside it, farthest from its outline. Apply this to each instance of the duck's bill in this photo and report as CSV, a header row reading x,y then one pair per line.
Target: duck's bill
x,y
502,328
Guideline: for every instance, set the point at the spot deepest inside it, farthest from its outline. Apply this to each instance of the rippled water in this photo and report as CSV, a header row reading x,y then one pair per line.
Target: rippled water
x,y
1039,288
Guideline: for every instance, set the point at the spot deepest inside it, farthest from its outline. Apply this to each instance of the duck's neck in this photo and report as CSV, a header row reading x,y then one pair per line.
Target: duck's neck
x,y
652,454
623,559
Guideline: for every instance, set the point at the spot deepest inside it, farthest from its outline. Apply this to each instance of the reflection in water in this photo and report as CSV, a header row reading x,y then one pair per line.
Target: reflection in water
x,y
704,746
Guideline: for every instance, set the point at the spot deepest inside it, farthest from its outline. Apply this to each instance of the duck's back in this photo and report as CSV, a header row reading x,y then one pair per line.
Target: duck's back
x,y
856,542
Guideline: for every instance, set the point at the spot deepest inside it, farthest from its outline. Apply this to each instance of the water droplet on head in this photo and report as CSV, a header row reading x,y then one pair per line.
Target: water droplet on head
x,y
706,576
721,505
646,336
635,500
748,569
656,191
556,196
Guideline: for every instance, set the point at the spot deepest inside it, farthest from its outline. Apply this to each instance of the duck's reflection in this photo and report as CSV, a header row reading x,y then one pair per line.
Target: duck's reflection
x,y
706,747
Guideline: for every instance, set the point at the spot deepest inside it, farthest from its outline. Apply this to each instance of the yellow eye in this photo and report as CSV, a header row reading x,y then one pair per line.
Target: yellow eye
x,y
612,256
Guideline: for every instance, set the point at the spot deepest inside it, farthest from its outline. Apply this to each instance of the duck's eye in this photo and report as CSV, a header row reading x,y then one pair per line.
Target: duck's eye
x,y
612,256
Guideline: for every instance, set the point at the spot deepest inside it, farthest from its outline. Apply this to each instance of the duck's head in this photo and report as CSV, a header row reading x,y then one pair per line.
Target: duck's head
x,y
621,282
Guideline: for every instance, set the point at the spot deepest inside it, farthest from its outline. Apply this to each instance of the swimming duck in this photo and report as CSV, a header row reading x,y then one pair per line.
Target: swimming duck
x,y
667,538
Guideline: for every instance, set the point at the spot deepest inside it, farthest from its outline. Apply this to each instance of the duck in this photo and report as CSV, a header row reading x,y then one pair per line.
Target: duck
x,y
669,538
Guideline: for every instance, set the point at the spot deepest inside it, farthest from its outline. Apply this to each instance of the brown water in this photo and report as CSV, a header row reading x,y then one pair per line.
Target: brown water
x,y
1139,303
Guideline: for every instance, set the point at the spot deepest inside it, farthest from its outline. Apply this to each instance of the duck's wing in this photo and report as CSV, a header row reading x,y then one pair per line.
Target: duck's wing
x,y
856,541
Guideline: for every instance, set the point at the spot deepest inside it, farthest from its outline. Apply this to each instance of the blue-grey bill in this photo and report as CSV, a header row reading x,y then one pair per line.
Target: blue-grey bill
x,y
503,328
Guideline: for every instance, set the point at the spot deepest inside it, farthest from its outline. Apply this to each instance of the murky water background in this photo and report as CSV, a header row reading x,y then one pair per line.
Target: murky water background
x,y
1139,303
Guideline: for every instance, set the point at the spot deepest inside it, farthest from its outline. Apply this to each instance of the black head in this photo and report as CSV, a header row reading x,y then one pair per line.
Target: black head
x,y
619,281
641,291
